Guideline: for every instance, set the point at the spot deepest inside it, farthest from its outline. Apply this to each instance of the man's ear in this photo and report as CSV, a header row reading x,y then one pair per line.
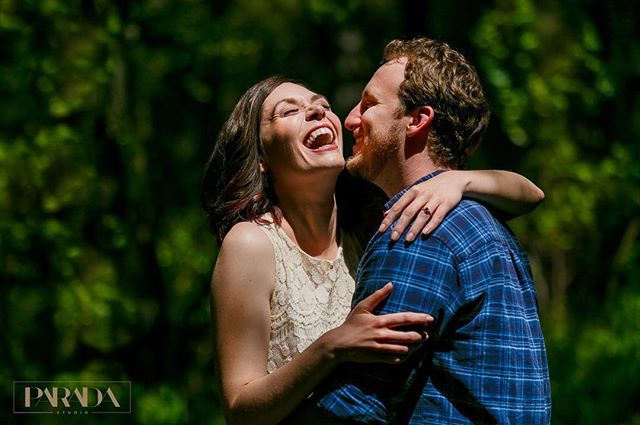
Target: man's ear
x,y
421,119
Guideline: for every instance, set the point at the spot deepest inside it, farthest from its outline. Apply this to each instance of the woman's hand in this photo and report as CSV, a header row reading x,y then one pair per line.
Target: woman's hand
x,y
426,204
365,337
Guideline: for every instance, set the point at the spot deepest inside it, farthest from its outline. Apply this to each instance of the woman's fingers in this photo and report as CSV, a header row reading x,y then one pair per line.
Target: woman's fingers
x,y
392,358
423,220
372,301
436,218
427,220
424,206
393,353
412,212
395,360
396,210
394,320
402,337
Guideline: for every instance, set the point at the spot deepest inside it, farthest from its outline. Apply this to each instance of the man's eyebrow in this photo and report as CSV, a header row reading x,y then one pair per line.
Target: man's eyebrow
x,y
367,93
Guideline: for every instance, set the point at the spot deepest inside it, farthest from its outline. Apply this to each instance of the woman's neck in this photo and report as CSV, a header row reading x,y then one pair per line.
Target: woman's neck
x,y
310,220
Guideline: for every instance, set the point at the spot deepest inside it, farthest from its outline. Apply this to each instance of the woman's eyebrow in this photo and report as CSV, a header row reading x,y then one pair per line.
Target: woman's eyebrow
x,y
317,97
286,100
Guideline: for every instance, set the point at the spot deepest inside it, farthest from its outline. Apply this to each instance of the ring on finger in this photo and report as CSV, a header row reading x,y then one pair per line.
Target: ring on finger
x,y
426,211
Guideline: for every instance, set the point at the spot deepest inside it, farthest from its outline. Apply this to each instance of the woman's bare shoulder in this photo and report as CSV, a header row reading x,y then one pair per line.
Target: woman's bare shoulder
x,y
246,238
246,257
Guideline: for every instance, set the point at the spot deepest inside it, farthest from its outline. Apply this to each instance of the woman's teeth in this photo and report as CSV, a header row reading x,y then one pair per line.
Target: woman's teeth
x,y
318,138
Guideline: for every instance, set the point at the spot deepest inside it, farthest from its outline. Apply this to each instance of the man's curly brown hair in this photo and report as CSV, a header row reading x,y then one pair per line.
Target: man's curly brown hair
x,y
438,76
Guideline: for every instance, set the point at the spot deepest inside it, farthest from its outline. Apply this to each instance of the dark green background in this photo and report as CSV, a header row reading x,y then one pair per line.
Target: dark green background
x,y
108,110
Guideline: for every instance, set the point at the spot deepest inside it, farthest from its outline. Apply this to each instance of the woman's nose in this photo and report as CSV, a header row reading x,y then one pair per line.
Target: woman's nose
x,y
315,112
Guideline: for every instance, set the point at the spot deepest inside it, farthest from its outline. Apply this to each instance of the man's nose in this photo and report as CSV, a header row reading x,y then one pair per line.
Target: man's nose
x,y
315,112
353,119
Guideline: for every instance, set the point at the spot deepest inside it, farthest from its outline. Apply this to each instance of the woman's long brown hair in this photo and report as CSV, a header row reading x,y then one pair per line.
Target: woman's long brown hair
x,y
233,188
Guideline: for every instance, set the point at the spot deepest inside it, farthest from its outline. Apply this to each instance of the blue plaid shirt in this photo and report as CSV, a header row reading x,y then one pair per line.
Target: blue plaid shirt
x,y
485,361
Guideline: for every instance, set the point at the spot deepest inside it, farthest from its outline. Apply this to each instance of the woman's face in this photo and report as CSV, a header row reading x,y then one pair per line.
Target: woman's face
x,y
300,133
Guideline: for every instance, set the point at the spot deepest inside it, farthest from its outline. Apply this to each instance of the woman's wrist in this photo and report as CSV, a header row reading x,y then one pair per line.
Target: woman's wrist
x,y
465,179
326,348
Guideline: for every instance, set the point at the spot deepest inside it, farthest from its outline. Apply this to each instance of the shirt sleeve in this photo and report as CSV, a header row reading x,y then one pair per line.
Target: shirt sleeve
x,y
424,277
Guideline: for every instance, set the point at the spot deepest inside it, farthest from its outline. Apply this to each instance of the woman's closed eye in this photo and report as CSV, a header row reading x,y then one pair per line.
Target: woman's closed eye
x,y
326,106
290,111
294,109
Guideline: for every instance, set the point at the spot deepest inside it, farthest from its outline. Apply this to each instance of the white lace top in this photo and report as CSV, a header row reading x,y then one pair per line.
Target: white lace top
x,y
311,296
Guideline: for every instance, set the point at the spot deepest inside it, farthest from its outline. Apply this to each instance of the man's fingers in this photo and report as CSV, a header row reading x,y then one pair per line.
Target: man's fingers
x,y
372,301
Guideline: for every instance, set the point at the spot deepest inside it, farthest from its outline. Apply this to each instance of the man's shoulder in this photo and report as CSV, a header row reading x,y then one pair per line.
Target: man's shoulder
x,y
468,212
468,226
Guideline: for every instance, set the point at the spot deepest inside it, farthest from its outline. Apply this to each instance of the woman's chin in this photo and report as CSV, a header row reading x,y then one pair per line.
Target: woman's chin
x,y
328,161
334,166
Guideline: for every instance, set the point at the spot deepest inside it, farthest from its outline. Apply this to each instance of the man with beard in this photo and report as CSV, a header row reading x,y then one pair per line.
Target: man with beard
x,y
422,113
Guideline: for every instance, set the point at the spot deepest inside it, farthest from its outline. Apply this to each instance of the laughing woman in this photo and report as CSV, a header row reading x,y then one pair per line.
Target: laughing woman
x,y
283,280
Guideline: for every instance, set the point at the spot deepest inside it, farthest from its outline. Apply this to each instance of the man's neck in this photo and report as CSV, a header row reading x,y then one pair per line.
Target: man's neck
x,y
399,173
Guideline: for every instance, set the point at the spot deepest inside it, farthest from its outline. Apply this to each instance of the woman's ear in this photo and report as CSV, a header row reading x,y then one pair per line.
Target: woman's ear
x,y
421,119
263,167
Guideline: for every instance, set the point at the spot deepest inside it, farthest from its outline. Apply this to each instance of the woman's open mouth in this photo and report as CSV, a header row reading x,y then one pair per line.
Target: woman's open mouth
x,y
320,139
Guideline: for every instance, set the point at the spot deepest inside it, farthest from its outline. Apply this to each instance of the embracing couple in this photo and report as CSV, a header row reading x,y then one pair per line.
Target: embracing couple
x,y
439,322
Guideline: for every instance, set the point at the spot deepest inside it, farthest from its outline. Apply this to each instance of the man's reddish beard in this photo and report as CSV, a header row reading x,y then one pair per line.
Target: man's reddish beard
x,y
372,157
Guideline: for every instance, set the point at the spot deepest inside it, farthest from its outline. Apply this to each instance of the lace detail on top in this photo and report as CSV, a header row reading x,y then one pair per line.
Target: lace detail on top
x,y
311,296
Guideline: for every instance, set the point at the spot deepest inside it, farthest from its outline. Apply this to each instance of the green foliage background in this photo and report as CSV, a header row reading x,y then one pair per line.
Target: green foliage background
x,y
108,111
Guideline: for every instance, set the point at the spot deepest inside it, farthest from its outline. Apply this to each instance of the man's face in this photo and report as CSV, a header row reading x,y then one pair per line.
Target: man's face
x,y
378,122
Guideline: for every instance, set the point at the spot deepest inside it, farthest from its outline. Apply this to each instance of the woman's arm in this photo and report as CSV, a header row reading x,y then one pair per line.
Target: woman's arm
x,y
509,192
241,313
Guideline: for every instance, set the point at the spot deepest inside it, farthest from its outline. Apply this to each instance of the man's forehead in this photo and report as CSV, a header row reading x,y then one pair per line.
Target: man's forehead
x,y
400,60
388,76
393,68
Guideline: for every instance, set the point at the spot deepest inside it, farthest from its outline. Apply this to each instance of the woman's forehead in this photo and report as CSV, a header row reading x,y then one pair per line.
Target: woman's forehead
x,y
286,91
